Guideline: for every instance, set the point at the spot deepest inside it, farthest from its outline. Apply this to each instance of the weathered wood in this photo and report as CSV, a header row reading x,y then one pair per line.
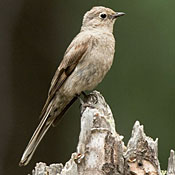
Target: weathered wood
x,y
171,164
43,169
141,156
101,151
100,148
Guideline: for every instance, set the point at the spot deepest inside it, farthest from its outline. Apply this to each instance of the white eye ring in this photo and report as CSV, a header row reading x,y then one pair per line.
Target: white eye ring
x,y
103,15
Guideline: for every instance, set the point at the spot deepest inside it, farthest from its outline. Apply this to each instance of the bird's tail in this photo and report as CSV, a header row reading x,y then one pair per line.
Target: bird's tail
x,y
40,131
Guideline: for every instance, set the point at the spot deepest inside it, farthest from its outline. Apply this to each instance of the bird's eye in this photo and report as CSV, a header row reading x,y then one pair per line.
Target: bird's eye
x,y
102,15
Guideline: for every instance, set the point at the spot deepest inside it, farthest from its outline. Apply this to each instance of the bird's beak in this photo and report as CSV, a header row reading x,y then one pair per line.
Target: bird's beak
x,y
118,14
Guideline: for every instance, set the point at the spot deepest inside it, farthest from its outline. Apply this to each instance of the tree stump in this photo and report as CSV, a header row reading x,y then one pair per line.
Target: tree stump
x,y
101,151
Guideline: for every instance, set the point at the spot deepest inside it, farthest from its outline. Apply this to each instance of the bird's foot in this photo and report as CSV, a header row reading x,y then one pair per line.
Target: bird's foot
x,y
80,99
83,104
84,94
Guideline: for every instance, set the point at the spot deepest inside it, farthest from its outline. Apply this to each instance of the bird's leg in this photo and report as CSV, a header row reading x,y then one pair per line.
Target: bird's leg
x,y
92,96
82,104
84,94
95,100
81,101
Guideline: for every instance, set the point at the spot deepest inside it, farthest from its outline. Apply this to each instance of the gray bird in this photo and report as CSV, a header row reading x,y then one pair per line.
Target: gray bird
x,y
85,63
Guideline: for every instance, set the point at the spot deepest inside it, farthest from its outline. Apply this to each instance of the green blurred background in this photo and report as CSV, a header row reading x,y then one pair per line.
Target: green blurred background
x,y
140,86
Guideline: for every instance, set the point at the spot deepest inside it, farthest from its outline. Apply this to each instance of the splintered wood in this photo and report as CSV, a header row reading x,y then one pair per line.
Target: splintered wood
x,y
101,151
141,157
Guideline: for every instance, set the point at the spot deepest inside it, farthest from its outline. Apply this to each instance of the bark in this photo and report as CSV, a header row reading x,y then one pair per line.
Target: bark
x,y
101,151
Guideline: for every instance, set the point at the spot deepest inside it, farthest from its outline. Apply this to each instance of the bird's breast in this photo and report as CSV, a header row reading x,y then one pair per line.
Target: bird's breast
x,y
91,70
99,59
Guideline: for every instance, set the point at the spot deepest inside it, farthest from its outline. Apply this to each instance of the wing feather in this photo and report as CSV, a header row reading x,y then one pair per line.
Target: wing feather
x,y
74,53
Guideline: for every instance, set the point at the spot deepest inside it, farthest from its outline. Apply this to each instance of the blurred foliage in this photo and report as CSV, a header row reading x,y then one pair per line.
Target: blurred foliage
x,y
140,85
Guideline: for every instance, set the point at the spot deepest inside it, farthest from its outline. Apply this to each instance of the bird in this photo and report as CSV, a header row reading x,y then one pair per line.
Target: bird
x,y
85,63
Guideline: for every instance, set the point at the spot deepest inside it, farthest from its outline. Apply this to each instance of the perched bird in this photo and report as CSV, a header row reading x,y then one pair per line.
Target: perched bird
x,y
85,63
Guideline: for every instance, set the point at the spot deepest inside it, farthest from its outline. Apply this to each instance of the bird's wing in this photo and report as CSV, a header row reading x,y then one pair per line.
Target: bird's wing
x,y
74,53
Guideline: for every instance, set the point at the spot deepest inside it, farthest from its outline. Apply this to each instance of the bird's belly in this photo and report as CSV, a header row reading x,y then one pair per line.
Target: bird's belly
x,y
87,75
91,69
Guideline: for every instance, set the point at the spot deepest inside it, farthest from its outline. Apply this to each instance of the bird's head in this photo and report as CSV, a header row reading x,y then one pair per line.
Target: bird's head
x,y
100,18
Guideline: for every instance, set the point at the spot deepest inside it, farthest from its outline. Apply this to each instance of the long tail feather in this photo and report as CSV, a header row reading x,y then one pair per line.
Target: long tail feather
x,y
40,131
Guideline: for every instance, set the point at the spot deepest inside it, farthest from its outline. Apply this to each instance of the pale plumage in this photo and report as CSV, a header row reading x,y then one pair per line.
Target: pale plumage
x,y
85,63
